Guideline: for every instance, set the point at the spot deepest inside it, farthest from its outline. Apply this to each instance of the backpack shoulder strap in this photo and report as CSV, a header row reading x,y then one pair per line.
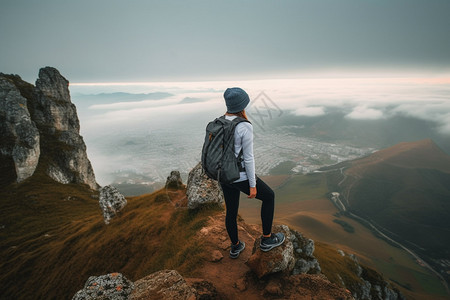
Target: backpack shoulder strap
x,y
240,120
236,120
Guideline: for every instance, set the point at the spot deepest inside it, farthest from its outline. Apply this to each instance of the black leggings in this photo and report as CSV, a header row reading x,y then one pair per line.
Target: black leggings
x,y
231,193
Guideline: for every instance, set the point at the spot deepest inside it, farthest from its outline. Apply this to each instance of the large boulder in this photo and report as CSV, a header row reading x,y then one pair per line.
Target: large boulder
x,y
113,286
276,260
164,284
111,202
201,189
294,256
19,147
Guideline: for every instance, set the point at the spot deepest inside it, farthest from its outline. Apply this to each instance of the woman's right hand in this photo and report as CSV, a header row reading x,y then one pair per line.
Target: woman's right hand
x,y
252,192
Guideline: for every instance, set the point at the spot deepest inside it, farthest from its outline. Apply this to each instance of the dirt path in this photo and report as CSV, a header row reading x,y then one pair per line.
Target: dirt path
x,y
233,279
229,276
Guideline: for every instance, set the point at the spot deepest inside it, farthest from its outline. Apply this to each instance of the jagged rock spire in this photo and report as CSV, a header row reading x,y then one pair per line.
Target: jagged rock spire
x,y
40,124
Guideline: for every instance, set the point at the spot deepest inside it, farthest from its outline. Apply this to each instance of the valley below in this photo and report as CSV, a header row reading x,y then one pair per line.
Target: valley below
x,y
303,202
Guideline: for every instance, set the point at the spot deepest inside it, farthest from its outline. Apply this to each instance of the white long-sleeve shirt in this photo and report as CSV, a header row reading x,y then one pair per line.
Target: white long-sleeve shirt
x,y
243,139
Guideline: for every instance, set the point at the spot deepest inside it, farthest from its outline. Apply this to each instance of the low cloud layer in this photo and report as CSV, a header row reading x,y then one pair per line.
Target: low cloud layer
x,y
363,99
171,125
365,113
310,111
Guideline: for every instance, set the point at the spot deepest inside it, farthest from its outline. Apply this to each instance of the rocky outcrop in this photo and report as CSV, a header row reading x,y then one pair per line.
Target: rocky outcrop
x,y
276,260
203,289
57,120
174,180
233,279
19,135
371,284
201,189
305,262
112,286
294,256
39,124
111,202
165,284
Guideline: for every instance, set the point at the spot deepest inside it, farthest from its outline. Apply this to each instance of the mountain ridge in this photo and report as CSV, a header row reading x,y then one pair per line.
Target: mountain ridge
x,y
405,155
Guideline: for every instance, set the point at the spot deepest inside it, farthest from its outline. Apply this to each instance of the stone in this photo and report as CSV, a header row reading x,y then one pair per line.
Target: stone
x,y
304,253
223,238
216,256
308,247
164,284
225,245
204,289
19,147
113,286
241,284
365,288
273,288
111,202
51,84
174,180
308,266
276,260
201,189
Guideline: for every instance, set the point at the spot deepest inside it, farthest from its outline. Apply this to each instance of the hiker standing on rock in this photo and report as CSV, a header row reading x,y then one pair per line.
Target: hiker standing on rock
x,y
236,100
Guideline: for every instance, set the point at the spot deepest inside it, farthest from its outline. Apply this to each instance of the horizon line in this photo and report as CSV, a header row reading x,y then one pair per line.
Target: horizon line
x,y
418,79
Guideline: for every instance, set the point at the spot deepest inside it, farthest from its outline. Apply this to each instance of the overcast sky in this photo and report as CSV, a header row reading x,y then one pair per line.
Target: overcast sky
x,y
112,40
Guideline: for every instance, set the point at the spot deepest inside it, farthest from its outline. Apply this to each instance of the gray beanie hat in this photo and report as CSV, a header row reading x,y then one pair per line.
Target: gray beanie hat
x,y
236,99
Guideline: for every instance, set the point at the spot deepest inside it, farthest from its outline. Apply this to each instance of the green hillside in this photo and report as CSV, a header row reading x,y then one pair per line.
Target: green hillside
x,y
405,191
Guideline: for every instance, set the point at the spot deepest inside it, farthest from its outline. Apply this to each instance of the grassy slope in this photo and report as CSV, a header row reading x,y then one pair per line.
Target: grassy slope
x,y
405,189
51,244
414,205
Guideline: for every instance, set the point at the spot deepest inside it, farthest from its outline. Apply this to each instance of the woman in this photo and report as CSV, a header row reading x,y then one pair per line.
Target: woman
x,y
236,99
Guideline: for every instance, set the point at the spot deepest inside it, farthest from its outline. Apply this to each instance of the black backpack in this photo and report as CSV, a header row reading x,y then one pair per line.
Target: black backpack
x,y
218,159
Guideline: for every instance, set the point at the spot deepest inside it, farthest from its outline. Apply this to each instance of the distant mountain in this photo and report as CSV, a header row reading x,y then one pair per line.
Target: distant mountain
x,y
105,98
191,100
405,191
423,154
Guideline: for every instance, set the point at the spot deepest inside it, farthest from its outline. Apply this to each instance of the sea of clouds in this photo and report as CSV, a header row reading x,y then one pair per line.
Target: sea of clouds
x,y
181,116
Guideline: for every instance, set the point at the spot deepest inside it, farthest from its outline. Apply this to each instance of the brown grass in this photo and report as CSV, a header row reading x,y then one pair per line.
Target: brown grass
x,y
335,267
52,243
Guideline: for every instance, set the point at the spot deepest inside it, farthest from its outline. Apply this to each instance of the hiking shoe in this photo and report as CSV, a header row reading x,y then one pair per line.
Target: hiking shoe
x,y
274,240
237,249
